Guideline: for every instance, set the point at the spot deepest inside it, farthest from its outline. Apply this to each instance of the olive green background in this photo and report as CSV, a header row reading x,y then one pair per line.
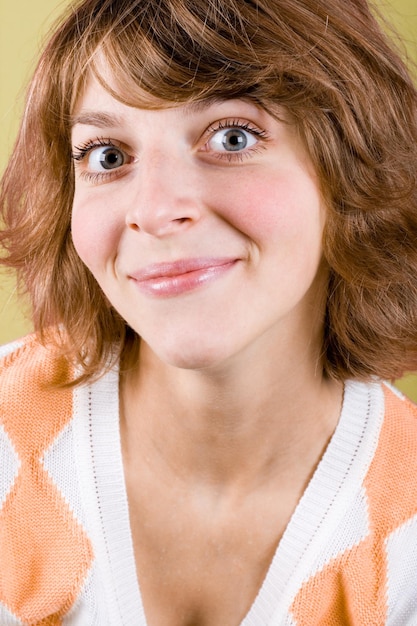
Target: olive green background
x,y
24,25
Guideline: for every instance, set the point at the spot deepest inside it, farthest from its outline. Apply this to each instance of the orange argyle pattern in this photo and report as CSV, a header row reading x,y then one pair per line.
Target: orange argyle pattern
x,y
45,554
352,588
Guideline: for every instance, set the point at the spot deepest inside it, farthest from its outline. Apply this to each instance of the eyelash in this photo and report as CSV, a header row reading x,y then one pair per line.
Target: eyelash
x,y
82,151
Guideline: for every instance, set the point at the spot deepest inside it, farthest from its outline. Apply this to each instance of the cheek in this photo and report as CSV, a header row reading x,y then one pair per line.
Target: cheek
x,y
94,233
286,204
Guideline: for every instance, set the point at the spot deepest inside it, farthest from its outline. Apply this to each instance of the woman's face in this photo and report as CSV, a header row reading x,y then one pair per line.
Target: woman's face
x,y
202,223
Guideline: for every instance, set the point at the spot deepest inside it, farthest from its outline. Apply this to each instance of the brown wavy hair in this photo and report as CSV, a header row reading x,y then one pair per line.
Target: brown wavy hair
x,y
354,104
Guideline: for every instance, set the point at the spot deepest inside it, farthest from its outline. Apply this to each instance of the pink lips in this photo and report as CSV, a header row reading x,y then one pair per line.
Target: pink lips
x,y
171,279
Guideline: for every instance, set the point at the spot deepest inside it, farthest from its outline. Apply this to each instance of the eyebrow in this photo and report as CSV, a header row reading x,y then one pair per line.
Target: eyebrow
x,y
95,118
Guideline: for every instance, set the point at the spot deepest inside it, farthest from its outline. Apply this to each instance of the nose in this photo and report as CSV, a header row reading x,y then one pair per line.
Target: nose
x,y
166,197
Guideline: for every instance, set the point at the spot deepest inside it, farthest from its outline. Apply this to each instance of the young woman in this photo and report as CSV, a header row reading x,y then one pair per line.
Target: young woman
x,y
213,208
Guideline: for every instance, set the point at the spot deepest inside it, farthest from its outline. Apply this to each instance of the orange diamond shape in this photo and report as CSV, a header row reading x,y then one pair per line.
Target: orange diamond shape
x,y
45,554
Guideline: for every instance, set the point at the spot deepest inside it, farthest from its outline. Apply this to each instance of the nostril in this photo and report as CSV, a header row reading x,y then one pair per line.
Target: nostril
x,y
134,227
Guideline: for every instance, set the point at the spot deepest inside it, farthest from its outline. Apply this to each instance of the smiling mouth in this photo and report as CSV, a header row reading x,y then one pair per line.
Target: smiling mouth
x,y
172,279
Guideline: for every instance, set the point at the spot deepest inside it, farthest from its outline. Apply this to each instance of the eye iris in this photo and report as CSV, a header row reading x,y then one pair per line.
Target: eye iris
x,y
111,158
234,140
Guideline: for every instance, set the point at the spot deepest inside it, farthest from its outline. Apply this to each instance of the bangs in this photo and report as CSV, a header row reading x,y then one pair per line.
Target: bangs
x,y
179,52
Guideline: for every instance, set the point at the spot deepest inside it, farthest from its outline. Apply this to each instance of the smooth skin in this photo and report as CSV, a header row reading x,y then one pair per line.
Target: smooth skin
x,y
203,226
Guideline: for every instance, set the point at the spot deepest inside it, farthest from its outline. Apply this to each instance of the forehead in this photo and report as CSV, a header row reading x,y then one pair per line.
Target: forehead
x,y
97,107
94,96
102,85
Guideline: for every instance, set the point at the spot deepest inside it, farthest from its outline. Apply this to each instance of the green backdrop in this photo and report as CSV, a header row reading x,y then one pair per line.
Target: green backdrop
x,y
23,26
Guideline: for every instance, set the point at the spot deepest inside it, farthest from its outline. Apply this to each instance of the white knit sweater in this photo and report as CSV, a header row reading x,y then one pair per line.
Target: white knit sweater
x,y
348,555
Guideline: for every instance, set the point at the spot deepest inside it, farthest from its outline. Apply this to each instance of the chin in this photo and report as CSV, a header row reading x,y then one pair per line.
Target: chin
x,y
194,358
193,362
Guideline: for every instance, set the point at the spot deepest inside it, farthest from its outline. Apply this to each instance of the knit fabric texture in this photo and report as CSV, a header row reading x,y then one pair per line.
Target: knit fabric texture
x,y
347,557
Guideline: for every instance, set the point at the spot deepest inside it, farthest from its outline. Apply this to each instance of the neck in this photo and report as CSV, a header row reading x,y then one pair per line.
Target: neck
x,y
236,425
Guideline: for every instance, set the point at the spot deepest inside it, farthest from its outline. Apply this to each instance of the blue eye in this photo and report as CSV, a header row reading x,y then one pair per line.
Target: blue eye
x,y
106,157
101,160
232,140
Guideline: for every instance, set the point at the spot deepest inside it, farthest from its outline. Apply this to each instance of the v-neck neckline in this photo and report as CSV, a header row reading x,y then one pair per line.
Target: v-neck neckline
x,y
327,498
